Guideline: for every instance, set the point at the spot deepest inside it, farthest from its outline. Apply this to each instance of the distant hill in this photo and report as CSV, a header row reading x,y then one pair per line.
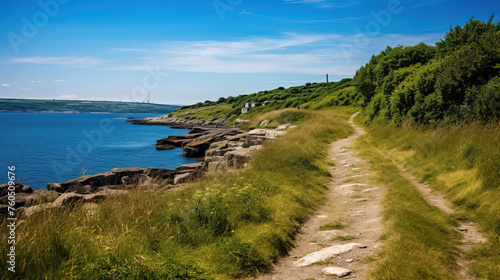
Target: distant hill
x,y
80,106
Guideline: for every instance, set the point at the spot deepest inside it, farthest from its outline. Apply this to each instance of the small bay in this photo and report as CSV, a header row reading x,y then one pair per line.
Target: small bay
x,y
57,147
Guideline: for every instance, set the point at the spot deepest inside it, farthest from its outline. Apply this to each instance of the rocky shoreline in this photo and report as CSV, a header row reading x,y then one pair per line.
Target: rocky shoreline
x,y
218,147
175,122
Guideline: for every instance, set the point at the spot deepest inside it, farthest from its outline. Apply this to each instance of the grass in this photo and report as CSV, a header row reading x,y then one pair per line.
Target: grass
x,y
205,113
463,162
345,237
333,225
275,118
420,239
225,226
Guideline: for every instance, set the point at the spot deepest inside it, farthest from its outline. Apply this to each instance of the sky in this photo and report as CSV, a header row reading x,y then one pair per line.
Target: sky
x,y
184,52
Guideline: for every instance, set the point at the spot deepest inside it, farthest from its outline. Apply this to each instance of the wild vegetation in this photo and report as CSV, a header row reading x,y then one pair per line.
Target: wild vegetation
x,y
435,109
419,240
224,226
455,81
463,162
308,96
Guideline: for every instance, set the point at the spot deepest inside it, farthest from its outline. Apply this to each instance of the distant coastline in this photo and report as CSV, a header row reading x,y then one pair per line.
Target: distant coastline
x,y
11,105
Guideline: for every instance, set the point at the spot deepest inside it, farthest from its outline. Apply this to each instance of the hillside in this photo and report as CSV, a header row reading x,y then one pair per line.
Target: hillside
x,y
457,80
308,96
79,106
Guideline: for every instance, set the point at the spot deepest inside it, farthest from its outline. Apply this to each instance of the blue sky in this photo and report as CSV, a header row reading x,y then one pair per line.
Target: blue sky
x,y
184,52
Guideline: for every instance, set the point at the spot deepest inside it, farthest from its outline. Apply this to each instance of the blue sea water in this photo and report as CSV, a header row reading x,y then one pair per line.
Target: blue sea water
x,y
57,147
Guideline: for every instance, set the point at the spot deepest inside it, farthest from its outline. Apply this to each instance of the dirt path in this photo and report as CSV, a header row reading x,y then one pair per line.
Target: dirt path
x,y
469,230
353,201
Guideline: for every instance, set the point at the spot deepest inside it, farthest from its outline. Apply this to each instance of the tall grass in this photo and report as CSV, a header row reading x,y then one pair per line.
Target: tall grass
x,y
224,226
419,239
463,162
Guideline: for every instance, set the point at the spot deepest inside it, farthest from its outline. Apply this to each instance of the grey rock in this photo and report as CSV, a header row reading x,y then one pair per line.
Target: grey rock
x,y
19,199
165,147
181,178
4,189
28,211
336,271
95,197
26,189
219,145
68,199
238,158
236,137
110,178
159,174
188,167
55,187
126,180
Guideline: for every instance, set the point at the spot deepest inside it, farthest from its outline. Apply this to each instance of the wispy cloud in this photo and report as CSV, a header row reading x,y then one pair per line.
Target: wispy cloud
x,y
305,1
26,89
259,55
57,81
33,81
324,4
69,61
5,85
70,96
302,54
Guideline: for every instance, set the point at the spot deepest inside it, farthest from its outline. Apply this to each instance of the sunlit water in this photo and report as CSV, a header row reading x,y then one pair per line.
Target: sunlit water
x,y
48,148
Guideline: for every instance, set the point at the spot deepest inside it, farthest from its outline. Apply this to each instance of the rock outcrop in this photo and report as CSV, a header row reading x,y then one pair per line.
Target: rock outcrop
x,y
175,122
93,188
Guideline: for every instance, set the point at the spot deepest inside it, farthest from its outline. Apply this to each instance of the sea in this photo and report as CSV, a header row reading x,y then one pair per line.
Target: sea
x,y
57,147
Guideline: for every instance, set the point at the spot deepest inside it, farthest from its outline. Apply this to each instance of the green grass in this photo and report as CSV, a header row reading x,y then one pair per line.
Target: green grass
x,y
463,163
308,96
419,238
333,225
345,237
223,227
205,113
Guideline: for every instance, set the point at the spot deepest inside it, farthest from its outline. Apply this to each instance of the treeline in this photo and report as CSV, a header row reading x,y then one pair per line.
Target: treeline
x,y
454,81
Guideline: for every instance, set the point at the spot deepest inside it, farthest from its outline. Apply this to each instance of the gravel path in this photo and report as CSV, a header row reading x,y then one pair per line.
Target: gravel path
x,y
355,202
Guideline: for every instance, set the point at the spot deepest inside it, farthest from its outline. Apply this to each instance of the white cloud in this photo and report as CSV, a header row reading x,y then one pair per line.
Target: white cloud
x,y
324,4
69,61
5,85
57,81
70,96
33,81
26,89
305,1
335,54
